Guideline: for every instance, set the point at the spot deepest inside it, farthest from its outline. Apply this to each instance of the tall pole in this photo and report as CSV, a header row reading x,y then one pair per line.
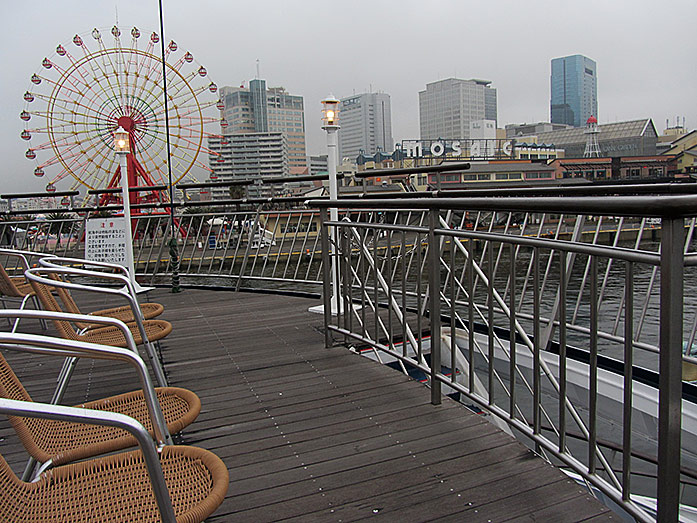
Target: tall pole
x,y
173,250
332,160
123,163
330,123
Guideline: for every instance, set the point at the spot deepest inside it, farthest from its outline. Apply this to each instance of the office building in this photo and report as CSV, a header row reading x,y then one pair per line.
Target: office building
x,y
574,90
447,107
258,109
366,125
248,156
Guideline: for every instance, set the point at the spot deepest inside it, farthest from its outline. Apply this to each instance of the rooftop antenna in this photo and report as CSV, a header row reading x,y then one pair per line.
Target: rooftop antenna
x,y
116,7
257,68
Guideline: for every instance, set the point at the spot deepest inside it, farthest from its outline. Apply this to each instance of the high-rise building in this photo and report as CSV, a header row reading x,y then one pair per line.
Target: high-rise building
x,y
259,109
248,156
366,124
574,90
447,107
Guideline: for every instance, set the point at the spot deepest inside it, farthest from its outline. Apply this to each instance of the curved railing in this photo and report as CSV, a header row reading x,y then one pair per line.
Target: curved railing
x,y
519,305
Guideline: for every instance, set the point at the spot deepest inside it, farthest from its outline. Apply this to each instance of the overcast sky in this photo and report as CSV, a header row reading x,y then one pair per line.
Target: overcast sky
x,y
645,53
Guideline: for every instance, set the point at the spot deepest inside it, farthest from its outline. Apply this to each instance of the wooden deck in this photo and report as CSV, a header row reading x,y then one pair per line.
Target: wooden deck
x,y
316,434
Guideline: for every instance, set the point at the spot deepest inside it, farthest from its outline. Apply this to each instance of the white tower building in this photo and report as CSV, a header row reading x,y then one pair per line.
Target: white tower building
x,y
591,132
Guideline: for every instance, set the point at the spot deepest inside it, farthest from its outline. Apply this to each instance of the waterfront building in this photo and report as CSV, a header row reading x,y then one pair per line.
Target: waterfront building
x,y
258,109
366,124
617,168
684,148
514,130
574,90
632,138
447,107
248,156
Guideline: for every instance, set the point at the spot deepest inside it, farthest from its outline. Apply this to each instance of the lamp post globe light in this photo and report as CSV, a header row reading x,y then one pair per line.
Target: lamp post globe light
x,y
330,123
122,147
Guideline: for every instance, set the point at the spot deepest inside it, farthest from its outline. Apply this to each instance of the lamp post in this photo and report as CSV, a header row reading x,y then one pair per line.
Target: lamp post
x,y
122,147
330,123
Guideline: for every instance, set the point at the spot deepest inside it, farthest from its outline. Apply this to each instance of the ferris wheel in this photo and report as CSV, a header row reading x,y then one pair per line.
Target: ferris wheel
x,y
83,93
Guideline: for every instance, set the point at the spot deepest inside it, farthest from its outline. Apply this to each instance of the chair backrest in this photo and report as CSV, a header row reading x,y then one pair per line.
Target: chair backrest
x,y
7,286
49,303
27,429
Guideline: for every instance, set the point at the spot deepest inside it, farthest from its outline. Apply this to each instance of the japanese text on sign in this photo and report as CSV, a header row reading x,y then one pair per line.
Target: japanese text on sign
x,y
106,240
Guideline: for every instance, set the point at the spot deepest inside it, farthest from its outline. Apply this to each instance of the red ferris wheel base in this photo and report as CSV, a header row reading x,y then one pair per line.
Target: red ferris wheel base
x,y
146,194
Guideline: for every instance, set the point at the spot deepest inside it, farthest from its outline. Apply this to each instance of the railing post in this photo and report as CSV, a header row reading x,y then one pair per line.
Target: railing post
x,y
670,368
326,274
434,303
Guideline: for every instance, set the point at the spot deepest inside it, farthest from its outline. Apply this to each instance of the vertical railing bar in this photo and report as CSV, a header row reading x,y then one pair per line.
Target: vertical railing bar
x,y
562,350
512,331
536,350
327,276
628,383
390,292
404,293
670,367
470,312
434,305
376,286
593,368
453,314
346,281
490,321
364,235
419,300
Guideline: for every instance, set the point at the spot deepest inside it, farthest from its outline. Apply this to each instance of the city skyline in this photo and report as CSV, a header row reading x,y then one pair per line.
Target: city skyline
x,y
296,48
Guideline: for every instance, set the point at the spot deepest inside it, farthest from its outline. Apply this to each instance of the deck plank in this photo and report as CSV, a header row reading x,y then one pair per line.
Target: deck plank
x,y
316,434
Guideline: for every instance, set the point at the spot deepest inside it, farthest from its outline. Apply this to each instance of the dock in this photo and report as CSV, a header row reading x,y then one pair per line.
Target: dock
x,y
316,434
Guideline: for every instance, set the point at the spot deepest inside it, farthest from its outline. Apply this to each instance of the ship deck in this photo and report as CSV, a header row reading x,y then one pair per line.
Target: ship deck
x,y
316,434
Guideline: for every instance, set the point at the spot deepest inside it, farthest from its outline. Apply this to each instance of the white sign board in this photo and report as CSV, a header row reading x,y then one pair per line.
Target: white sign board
x,y
106,240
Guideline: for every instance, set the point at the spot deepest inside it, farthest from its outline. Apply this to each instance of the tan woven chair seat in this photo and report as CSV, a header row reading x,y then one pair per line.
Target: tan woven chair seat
x,y
116,489
125,313
150,310
64,442
154,329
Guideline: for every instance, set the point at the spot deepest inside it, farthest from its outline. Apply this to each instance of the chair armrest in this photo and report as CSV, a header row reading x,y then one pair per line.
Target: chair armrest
x,y
38,274
113,419
39,344
59,261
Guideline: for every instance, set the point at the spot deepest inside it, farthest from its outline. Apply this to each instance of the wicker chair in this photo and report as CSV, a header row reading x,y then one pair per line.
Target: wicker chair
x,y
16,289
110,272
180,483
144,332
162,411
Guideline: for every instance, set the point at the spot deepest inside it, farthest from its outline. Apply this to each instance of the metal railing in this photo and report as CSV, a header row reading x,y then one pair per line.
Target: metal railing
x,y
558,316
517,305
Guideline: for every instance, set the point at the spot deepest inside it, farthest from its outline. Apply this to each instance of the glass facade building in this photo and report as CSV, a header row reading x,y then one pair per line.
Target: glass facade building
x,y
574,90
